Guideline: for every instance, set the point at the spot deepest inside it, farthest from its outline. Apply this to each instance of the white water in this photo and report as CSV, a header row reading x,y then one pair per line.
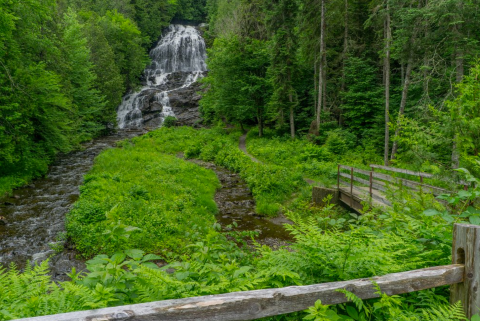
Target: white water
x,y
181,50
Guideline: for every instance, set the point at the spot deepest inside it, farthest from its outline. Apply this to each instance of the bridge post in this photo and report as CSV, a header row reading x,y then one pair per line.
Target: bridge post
x,y
466,250
351,187
338,177
371,186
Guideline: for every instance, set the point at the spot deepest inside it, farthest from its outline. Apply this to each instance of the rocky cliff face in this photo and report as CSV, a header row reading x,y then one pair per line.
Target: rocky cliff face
x,y
171,85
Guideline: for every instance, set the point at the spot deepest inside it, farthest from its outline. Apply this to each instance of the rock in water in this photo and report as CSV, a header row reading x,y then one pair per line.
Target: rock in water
x,y
170,82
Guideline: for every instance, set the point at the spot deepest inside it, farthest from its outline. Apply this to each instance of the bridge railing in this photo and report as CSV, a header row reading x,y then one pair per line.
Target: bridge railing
x,y
372,185
463,276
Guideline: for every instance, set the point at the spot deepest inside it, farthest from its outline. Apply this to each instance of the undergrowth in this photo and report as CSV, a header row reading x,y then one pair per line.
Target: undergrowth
x,y
164,199
140,197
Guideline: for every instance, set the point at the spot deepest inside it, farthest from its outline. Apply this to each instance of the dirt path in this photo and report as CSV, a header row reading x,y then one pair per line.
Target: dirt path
x,y
242,144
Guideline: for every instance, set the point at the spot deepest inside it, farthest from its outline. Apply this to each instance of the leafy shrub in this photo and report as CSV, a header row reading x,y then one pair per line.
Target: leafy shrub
x,y
336,143
170,121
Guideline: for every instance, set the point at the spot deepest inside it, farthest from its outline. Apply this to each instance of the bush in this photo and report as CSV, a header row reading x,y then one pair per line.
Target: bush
x,y
170,121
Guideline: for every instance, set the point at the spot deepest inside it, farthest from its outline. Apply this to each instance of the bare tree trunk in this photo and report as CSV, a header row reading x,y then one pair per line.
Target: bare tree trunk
x,y
388,36
459,70
292,115
260,123
345,45
315,80
403,103
321,71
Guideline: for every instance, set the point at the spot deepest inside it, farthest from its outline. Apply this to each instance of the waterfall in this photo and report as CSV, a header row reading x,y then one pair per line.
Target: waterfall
x,y
178,61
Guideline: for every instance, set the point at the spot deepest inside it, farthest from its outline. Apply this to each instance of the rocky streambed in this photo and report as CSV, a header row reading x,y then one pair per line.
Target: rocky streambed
x,y
34,217
236,204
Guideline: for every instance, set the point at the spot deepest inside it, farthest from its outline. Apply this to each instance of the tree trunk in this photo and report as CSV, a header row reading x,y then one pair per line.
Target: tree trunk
x,y
388,36
260,123
321,71
403,103
345,45
292,115
459,71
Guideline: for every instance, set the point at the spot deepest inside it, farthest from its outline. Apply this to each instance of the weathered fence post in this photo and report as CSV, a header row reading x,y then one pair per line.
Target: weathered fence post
x,y
371,186
338,177
351,187
466,250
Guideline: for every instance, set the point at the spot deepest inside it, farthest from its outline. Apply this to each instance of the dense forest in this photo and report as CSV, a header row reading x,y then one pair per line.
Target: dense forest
x,y
399,77
65,66
293,88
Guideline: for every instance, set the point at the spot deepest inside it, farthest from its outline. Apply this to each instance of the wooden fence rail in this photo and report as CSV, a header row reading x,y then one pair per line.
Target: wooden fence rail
x,y
371,185
463,276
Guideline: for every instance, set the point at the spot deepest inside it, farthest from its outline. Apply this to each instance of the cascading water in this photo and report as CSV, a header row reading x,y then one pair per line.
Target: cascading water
x,y
178,61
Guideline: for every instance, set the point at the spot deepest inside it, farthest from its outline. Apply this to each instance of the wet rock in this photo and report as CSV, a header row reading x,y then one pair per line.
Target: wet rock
x,y
40,257
8,204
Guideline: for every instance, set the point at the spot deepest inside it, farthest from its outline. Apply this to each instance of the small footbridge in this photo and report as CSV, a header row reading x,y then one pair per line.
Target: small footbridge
x,y
355,186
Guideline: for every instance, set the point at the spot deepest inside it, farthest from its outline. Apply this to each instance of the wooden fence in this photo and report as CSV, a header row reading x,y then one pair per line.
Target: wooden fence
x,y
463,276
372,185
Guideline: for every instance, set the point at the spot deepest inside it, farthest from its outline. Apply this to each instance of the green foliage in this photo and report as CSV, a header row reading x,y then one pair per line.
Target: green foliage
x,y
64,66
270,184
362,102
193,10
80,78
239,99
167,198
126,41
465,119
387,308
32,293
138,196
312,161
170,122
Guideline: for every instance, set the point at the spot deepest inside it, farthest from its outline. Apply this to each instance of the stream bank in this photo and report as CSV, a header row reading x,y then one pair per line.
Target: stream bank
x,y
35,215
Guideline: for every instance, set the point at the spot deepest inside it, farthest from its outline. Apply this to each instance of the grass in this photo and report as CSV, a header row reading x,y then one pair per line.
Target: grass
x,y
270,184
167,198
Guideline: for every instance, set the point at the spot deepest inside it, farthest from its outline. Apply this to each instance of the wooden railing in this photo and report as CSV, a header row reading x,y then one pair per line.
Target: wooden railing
x,y
463,277
373,185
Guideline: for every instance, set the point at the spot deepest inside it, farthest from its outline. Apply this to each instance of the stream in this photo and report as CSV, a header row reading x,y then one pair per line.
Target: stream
x,y
33,223
35,214
235,203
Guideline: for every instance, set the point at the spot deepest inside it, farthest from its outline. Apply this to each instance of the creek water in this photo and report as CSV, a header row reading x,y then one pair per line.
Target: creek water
x,y
35,215
235,203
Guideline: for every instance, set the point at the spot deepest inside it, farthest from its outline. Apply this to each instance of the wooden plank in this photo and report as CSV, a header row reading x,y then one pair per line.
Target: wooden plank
x,y
466,250
361,171
411,184
366,196
257,304
345,167
426,188
402,171
385,177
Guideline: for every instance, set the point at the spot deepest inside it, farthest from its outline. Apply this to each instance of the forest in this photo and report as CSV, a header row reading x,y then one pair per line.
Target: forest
x,y
309,84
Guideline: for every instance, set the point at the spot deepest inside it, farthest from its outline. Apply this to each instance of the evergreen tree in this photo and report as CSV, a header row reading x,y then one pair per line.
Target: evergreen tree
x,y
282,18
87,101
